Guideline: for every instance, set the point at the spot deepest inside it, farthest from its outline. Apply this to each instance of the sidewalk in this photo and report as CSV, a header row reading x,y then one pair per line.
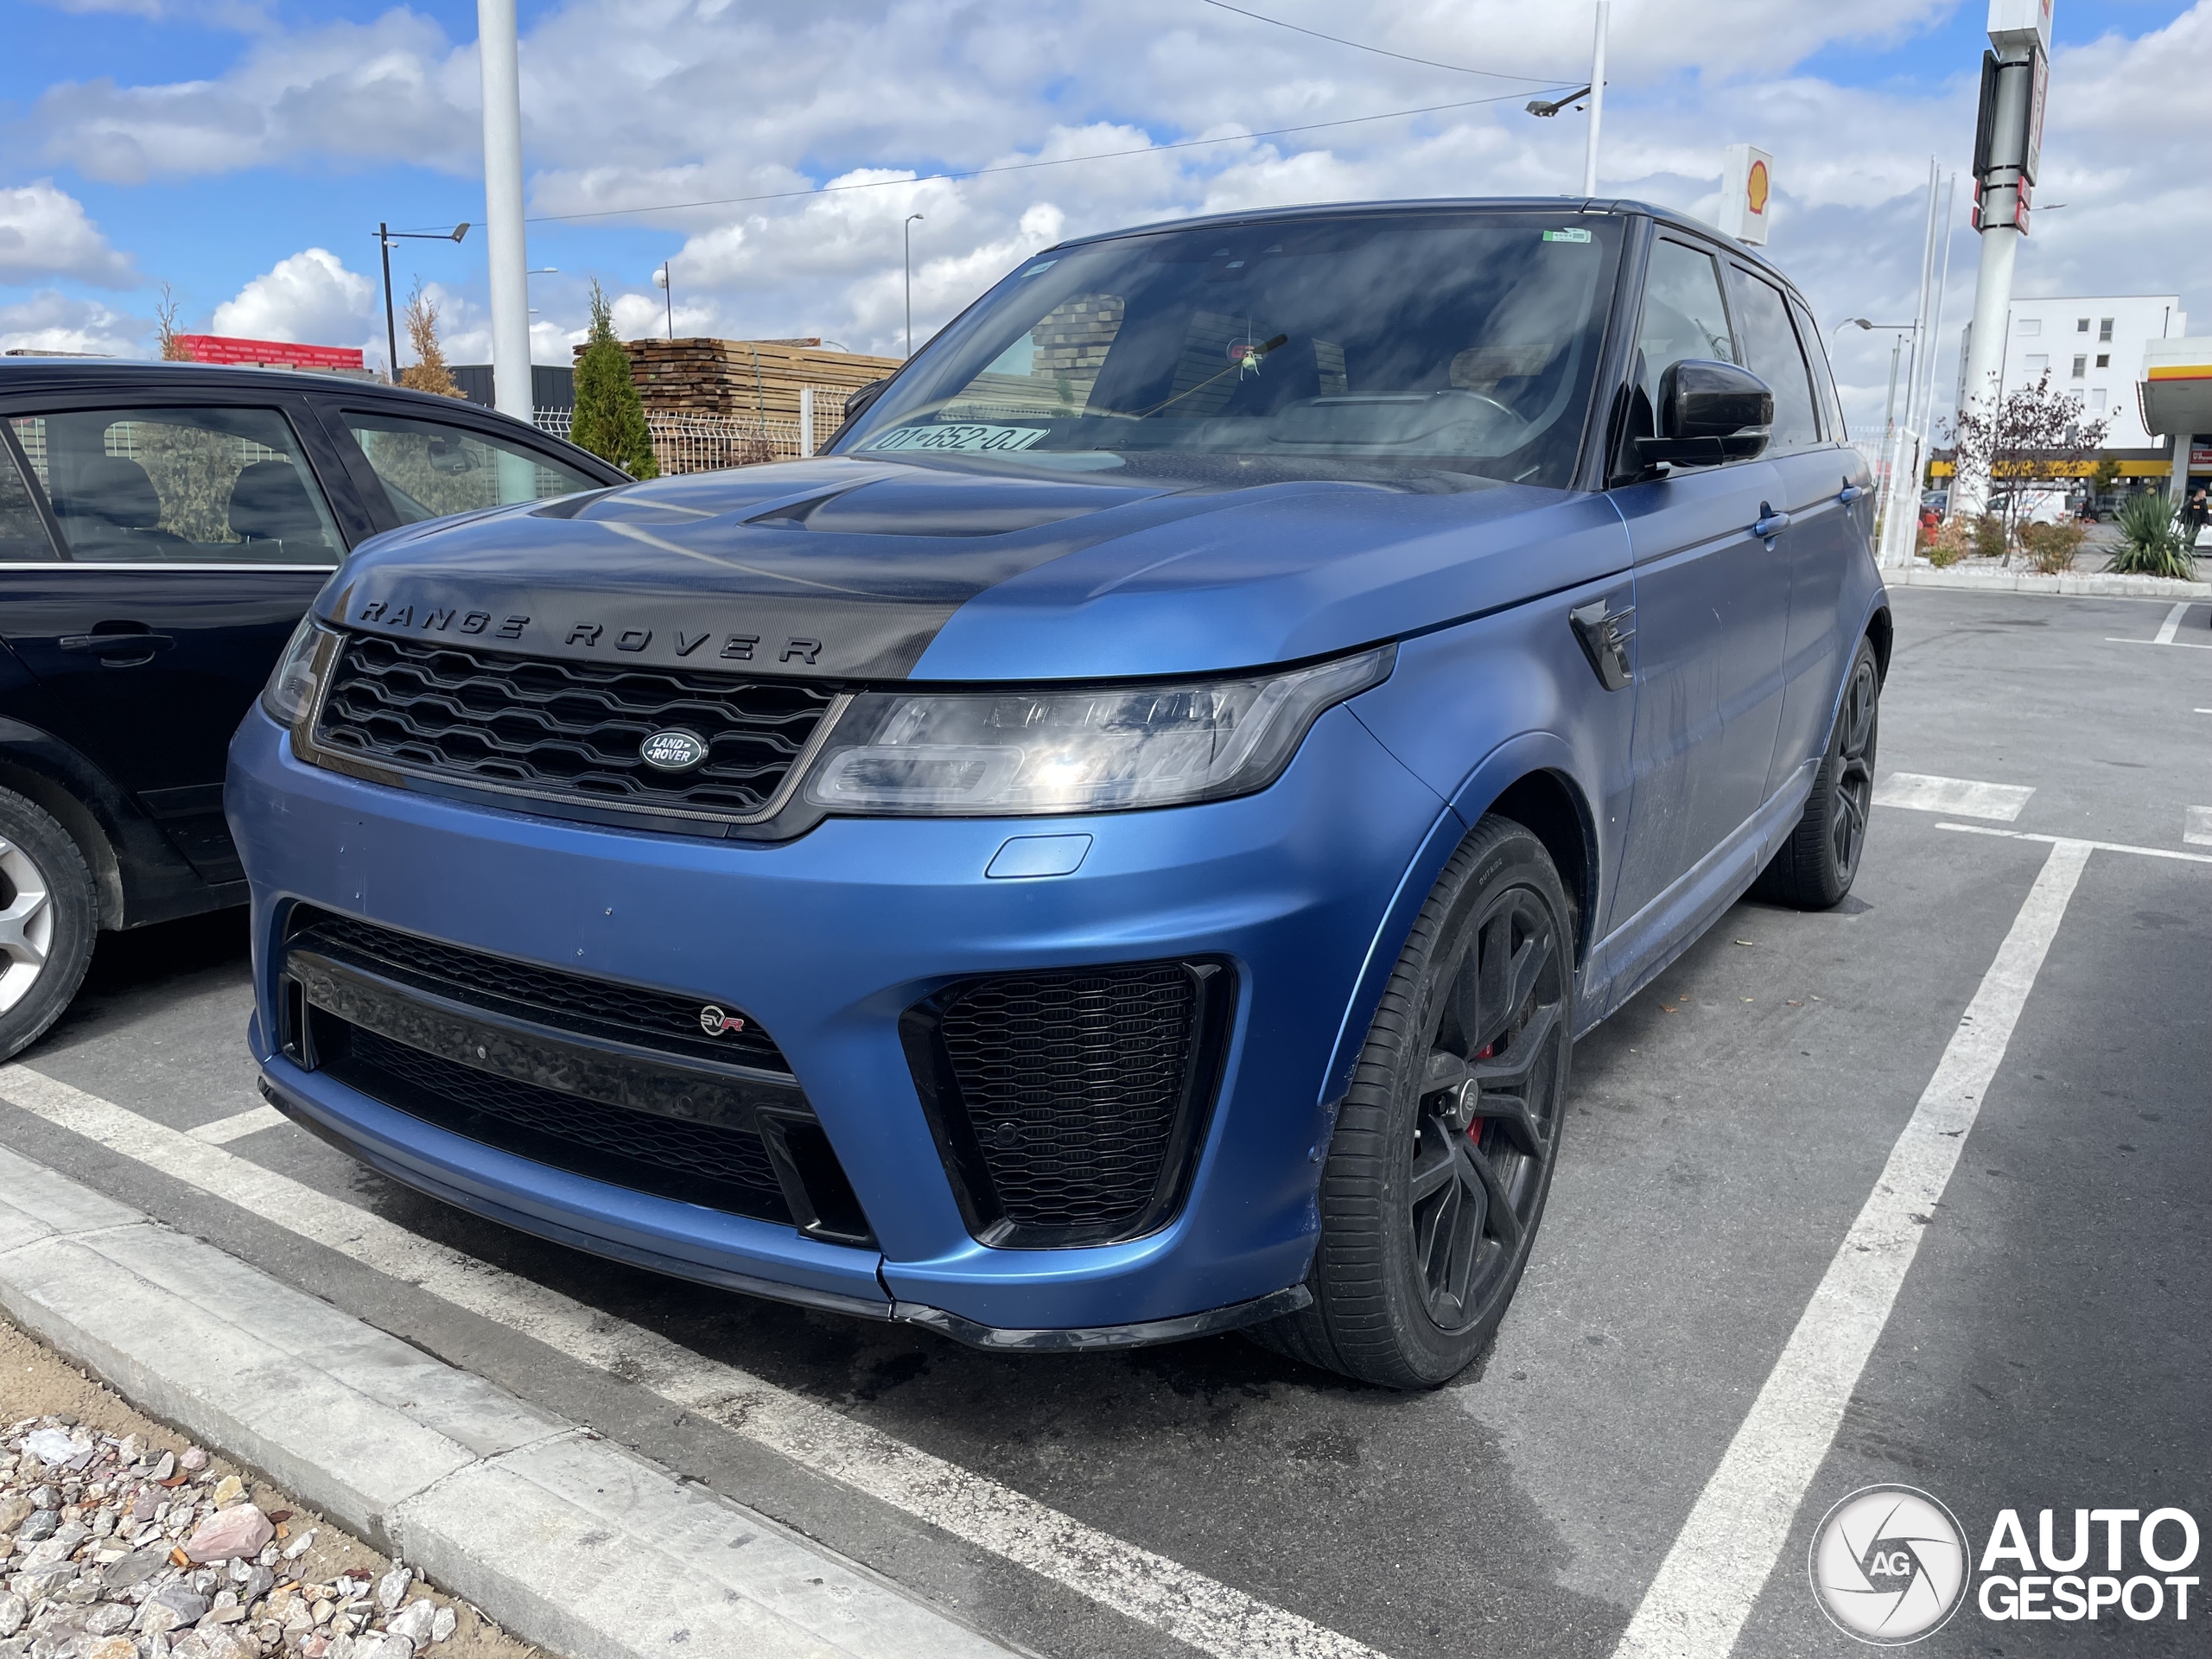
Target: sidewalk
x,y
563,1538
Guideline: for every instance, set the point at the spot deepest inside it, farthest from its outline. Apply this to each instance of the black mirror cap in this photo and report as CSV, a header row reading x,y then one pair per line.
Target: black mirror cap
x,y
1702,399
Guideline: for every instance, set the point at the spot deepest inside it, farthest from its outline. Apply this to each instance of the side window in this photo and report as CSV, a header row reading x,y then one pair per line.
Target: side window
x,y
430,469
1823,380
22,532
1771,351
1683,315
195,485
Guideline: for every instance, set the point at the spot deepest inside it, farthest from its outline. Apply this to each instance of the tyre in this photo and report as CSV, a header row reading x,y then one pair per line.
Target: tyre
x,y
49,914
1816,865
1444,1146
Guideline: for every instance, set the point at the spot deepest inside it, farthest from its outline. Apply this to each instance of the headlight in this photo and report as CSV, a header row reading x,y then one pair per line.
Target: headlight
x,y
986,754
291,687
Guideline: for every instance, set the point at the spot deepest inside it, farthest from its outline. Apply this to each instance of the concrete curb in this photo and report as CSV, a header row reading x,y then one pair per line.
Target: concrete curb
x,y
565,1539
2027,582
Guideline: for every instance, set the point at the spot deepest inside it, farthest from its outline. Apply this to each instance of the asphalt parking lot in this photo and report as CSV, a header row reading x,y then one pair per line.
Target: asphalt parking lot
x,y
2047,1347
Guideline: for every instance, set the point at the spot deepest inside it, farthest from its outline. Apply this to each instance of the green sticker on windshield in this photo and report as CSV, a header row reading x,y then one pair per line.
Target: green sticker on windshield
x,y
1567,236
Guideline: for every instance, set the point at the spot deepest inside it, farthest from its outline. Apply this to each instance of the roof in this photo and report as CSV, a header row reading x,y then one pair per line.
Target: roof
x,y
1445,204
40,374
2175,388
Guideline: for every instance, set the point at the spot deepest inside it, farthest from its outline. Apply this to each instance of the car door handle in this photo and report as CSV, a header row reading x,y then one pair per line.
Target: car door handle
x,y
1770,524
119,650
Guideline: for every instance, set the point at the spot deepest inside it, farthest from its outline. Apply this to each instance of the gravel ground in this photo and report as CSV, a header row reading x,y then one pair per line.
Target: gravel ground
x,y
121,1540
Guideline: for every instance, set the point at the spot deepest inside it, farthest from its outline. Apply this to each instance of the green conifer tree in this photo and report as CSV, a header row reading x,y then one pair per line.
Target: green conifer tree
x,y
609,419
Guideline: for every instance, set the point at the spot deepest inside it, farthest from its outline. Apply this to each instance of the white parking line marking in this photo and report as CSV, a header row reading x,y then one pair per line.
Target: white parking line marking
x,y
1921,793
2070,840
225,1130
1725,1551
2196,826
2178,645
2171,626
1200,1611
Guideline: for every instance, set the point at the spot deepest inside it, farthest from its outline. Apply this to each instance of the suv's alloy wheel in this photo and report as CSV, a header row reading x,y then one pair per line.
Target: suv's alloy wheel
x,y
1444,1146
47,917
1816,867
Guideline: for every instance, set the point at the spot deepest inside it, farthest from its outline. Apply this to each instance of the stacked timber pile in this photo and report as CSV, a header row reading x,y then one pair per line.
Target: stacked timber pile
x,y
742,379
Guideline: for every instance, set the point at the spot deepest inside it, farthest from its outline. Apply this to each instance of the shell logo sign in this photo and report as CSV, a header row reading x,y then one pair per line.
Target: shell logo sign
x,y
1746,192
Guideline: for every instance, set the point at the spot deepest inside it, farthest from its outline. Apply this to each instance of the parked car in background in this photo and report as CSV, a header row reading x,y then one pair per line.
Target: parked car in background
x,y
1121,846
162,526
2033,505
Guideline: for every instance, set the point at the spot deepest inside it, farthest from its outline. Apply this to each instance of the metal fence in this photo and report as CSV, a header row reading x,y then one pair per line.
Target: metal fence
x,y
706,443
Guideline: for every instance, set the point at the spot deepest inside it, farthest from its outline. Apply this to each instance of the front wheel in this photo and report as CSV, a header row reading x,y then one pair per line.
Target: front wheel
x,y
1444,1146
1816,866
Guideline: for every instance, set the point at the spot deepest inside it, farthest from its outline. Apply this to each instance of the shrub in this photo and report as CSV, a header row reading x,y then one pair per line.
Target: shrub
x,y
1953,541
2150,543
1989,536
2051,548
610,418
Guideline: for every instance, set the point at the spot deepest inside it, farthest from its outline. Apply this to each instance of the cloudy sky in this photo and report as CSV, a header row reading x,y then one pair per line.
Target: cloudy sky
x,y
243,151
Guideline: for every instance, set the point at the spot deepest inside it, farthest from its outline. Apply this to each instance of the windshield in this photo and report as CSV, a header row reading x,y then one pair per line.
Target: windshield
x,y
1440,349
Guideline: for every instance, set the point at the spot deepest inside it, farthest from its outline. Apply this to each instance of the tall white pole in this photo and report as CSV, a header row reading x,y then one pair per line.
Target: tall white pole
x,y
1927,420
1597,101
495,42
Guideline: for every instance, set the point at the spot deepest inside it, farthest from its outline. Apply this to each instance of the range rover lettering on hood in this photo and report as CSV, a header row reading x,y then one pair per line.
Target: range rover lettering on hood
x,y
529,633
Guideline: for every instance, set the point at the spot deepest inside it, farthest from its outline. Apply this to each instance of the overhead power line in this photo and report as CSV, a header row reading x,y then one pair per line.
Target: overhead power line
x,y
1023,167
1381,52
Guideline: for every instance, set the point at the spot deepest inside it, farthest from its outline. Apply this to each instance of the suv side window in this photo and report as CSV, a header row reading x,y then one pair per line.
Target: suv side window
x,y
1823,380
185,486
429,469
1771,351
1683,314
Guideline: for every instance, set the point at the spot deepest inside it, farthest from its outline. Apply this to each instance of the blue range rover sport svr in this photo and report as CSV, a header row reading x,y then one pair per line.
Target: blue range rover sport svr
x,y
1122,844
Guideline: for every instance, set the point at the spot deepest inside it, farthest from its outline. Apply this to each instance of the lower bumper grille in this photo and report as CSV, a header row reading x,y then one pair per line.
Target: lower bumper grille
x,y
568,1070
721,1167
1070,1106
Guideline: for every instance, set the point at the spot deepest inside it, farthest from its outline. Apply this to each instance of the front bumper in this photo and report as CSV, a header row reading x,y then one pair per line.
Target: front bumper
x,y
826,940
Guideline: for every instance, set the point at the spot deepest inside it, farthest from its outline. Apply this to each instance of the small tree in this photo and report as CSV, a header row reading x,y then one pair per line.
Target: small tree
x,y
610,418
429,371
2037,434
173,349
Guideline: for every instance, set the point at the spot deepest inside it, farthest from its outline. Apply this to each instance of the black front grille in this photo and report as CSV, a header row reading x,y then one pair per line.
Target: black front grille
x,y
562,730
1069,1105
548,996
720,1165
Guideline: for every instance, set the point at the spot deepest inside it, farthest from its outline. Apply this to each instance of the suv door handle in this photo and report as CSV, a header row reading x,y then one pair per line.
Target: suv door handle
x,y
1770,524
119,650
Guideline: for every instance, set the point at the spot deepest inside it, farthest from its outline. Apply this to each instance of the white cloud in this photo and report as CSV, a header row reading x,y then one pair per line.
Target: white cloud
x,y
51,321
45,234
633,102
310,298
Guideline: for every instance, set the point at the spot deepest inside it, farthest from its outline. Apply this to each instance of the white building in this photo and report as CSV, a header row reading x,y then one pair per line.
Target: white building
x,y
2092,347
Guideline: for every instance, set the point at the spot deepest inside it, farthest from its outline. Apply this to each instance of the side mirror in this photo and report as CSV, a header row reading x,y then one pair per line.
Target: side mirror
x,y
1705,412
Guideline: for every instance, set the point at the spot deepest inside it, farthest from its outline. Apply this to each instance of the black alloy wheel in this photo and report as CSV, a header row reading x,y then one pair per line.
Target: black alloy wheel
x,y
1854,792
1815,869
1446,1142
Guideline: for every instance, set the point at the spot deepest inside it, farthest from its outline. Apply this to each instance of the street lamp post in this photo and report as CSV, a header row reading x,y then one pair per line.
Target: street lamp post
x,y
385,237
908,230
668,289
1595,92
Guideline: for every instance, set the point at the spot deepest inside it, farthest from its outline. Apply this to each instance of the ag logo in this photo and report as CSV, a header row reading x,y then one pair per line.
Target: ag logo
x,y
715,1022
1889,1565
674,750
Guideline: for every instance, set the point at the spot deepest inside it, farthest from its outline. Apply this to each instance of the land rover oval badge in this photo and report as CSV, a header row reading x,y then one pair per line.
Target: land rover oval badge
x,y
673,750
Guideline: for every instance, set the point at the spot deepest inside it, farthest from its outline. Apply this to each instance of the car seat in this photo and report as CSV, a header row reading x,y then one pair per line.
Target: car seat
x,y
114,512
269,503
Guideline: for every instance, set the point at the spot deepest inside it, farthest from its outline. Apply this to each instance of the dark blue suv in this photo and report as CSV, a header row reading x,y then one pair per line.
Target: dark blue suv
x,y
1122,845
